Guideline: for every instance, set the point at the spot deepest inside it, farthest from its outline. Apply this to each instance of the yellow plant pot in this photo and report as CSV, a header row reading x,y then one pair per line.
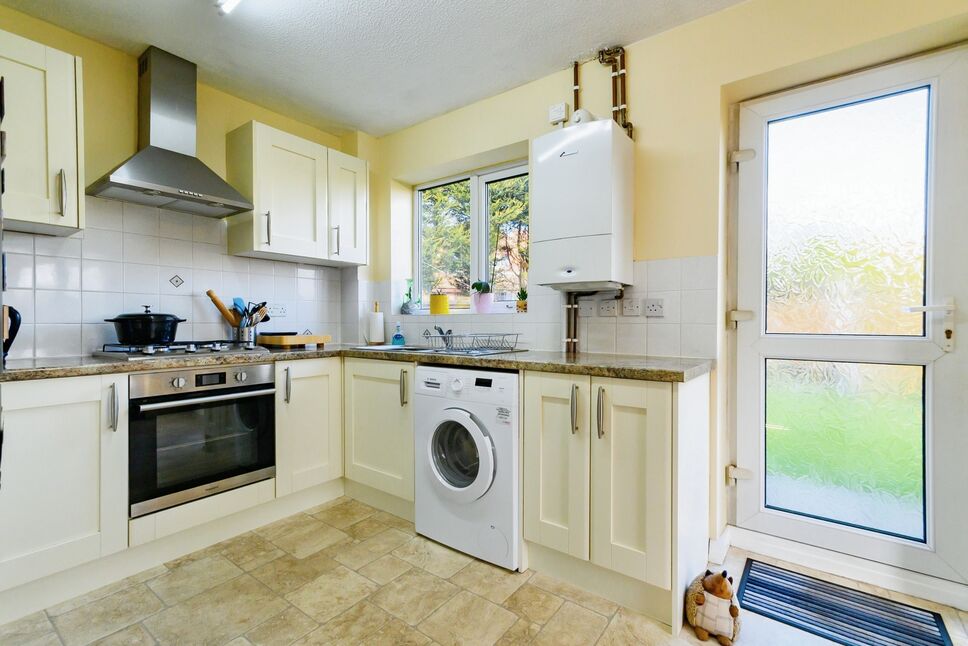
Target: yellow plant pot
x,y
439,304
522,306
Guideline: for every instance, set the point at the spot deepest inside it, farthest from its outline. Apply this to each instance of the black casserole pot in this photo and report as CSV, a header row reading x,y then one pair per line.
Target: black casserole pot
x,y
145,328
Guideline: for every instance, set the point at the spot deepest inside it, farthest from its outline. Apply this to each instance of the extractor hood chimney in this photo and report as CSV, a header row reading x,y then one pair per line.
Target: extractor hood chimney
x,y
165,172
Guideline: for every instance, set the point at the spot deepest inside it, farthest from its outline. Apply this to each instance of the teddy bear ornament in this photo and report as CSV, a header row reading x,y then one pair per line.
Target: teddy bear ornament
x,y
710,609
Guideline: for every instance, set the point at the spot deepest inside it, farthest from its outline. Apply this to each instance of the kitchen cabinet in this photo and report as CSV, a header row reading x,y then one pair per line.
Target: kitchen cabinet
x,y
348,212
297,216
63,474
556,461
44,167
597,471
309,423
378,426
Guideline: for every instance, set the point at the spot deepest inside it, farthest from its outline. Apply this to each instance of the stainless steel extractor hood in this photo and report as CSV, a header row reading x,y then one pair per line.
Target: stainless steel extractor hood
x,y
165,172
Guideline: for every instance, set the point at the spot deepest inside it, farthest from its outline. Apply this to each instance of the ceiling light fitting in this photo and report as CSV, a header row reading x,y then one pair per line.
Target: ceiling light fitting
x,y
225,7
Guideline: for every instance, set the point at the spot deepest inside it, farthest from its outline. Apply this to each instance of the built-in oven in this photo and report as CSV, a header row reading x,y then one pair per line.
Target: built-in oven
x,y
195,433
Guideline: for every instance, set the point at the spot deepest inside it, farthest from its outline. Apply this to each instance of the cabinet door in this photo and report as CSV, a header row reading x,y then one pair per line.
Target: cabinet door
x,y
556,461
631,491
309,423
63,475
379,424
42,130
348,212
291,196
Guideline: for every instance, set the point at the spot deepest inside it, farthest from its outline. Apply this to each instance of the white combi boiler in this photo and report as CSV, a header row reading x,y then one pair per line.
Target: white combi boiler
x,y
466,453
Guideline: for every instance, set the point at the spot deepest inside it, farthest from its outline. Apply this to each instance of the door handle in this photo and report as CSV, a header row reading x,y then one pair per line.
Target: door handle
x,y
268,227
601,412
403,387
288,384
574,408
115,408
62,177
948,309
337,227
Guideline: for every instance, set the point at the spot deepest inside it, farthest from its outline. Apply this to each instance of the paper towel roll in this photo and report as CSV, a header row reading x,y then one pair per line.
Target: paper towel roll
x,y
374,325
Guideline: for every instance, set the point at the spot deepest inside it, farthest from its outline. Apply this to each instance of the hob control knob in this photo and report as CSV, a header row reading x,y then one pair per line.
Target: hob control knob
x,y
178,382
241,377
457,385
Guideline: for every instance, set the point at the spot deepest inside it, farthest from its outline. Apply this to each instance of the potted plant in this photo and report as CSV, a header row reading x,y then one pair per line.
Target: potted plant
x,y
438,300
409,306
522,300
482,297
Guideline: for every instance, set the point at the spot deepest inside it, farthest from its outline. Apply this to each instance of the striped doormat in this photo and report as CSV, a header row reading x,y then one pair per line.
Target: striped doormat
x,y
834,612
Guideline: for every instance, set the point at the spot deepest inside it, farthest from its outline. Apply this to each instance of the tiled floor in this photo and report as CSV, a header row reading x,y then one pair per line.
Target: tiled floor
x,y
345,573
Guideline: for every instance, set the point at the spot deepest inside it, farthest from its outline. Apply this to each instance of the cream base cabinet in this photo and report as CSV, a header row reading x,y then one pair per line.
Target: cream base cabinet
x,y
63,474
348,212
631,479
285,177
44,167
378,428
309,423
556,462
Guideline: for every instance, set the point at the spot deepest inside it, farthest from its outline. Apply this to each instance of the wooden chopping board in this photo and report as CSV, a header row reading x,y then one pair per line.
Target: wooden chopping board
x,y
293,340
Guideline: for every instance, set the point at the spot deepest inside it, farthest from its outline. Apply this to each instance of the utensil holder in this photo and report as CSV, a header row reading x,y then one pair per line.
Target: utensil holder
x,y
245,335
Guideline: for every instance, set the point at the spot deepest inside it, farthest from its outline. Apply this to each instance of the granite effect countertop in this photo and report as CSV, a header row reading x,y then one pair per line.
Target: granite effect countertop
x,y
645,368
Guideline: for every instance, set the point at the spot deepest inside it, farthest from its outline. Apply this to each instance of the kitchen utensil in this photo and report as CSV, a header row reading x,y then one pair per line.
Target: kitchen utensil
x,y
231,317
145,328
11,325
290,340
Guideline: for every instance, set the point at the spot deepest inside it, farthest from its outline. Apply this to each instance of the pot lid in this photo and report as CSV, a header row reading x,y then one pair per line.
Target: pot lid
x,y
147,314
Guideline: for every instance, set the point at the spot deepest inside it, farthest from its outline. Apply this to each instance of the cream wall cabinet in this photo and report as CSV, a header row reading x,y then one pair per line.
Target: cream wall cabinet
x,y
63,474
309,423
310,202
378,426
44,168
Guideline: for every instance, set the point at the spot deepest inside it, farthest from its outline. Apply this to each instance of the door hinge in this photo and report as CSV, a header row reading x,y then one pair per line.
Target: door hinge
x,y
737,156
735,316
734,473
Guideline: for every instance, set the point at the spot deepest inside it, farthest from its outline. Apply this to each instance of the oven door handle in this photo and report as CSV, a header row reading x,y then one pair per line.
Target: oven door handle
x,y
146,408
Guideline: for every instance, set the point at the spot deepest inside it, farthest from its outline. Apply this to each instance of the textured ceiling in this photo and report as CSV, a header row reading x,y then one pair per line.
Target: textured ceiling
x,y
373,65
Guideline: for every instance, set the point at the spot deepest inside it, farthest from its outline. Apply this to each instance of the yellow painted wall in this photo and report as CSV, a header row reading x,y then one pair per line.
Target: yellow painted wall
x,y
111,102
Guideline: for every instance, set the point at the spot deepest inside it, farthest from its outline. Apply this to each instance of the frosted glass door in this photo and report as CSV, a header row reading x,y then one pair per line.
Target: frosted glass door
x,y
851,246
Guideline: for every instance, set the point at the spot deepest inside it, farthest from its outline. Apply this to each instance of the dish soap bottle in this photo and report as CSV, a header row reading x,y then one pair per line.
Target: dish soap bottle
x,y
398,337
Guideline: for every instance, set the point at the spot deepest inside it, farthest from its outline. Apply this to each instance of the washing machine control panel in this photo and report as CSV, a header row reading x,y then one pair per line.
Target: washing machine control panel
x,y
468,385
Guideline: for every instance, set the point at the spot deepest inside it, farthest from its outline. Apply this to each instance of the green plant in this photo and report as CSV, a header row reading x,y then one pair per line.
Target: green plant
x,y
481,287
522,294
409,293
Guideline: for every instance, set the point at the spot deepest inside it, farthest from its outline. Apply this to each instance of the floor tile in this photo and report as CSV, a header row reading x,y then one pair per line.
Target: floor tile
x,y
385,569
331,593
533,603
574,593
281,630
489,581
287,573
572,625
345,514
356,555
468,619
349,628
414,595
397,633
301,535
136,635
107,615
187,581
50,639
628,627
365,529
217,615
26,630
104,591
433,557
395,522
522,632
250,551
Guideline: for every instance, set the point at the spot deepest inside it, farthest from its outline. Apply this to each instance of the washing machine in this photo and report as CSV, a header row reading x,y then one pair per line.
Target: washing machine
x,y
466,482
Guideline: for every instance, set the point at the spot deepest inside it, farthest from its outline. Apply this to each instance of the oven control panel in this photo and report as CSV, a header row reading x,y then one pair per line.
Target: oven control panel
x,y
214,378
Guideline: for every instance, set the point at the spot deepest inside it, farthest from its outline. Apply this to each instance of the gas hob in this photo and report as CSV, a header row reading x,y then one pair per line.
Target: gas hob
x,y
179,349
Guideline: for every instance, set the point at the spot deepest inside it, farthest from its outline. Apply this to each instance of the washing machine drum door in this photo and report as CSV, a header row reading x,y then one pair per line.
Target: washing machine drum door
x,y
461,457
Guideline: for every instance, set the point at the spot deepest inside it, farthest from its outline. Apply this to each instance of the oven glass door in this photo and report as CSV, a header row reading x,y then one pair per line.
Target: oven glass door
x,y
182,445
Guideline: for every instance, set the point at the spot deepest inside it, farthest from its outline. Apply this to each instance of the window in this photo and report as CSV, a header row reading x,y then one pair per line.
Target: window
x,y
472,228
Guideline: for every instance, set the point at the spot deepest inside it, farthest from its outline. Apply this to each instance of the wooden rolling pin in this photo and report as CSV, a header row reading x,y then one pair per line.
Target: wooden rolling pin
x,y
233,318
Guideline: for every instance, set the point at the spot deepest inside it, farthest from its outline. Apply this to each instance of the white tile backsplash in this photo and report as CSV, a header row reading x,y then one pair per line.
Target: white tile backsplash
x,y
126,257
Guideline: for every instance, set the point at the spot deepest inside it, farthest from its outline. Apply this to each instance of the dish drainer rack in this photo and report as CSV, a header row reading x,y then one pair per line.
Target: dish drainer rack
x,y
506,341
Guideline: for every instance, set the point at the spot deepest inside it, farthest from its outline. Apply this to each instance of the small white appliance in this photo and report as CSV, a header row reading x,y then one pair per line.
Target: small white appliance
x,y
466,487
581,207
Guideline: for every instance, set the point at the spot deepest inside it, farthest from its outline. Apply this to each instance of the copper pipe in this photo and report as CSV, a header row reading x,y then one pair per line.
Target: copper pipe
x,y
624,121
575,85
615,91
609,57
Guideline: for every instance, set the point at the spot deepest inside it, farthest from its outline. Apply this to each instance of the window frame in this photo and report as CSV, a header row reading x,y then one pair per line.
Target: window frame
x,y
479,179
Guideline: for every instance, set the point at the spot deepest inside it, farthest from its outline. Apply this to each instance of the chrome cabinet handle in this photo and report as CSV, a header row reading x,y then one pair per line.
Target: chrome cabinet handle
x,y
601,412
337,227
268,227
403,387
115,408
574,408
62,176
288,384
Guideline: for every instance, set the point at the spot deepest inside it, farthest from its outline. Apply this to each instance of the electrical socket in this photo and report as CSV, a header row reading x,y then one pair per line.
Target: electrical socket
x,y
654,308
608,307
277,311
632,307
586,308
